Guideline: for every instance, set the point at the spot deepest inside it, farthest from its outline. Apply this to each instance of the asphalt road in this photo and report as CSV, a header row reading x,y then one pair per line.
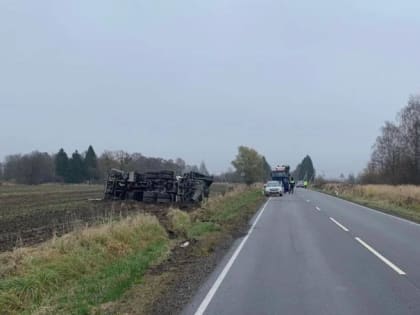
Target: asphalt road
x,y
310,253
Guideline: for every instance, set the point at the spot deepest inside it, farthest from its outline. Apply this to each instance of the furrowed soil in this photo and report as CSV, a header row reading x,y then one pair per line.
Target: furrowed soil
x,y
30,215
33,214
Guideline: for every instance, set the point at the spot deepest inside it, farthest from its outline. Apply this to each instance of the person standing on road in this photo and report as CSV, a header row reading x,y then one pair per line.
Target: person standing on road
x,y
292,185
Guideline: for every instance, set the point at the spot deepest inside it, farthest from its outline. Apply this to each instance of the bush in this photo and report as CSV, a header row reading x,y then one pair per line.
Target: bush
x,y
179,222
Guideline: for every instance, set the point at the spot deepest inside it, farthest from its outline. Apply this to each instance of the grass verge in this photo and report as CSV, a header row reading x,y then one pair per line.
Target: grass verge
x,y
210,230
231,208
76,273
402,201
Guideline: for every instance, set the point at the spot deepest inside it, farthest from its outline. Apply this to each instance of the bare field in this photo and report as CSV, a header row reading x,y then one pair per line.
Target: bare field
x,y
32,214
17,200
403,200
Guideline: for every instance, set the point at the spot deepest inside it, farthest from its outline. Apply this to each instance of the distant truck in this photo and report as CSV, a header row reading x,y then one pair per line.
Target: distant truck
x,y
282,174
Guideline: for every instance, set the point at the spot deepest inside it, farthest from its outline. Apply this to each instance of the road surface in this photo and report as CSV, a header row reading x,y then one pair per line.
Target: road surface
x,y
310,253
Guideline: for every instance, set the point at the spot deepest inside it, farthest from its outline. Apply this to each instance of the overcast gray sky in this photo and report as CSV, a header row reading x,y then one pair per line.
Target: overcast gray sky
x,y
196,79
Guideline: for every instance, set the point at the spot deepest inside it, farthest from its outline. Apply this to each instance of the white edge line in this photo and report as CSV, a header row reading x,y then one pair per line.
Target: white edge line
x,y
339,224
204,304
317,208
386,261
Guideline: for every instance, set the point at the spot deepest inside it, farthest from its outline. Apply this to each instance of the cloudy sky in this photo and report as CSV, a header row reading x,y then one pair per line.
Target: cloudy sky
x,y
196,79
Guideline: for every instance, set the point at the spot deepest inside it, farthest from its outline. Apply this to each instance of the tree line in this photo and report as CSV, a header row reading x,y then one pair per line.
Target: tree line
x,y
396,153
41,167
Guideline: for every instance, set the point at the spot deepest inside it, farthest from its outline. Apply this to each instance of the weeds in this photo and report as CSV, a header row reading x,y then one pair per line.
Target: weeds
x,y
179,221
200,229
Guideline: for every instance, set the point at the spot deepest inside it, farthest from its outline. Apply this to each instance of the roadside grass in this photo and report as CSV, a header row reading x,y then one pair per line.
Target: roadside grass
x,y
228,209
402,201
217,214
199,230
220,219
223,216
179,222
76,273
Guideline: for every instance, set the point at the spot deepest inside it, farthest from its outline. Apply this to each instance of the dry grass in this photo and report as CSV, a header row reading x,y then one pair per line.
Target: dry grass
x,y
402,200
221,188
179,222
74,273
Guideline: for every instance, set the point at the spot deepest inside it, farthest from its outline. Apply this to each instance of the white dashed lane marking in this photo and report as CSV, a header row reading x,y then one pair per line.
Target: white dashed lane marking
x,y
339,224
386,261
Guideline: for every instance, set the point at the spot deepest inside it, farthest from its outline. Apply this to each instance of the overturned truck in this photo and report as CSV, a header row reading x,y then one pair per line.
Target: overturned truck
x,y
157,187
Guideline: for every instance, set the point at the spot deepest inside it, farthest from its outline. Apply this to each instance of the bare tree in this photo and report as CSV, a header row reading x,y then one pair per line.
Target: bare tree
x,y
410,127
34,168
388,152
396,154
